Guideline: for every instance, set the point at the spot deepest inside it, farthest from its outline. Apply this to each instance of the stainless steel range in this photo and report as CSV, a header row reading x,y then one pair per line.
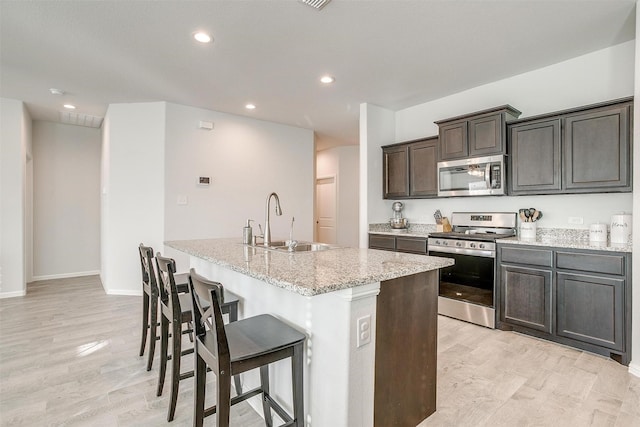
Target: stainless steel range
x,y
467,289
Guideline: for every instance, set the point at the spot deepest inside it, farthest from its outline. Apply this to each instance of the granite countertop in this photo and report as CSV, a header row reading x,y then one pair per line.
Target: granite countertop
x,y
549,237
310,273
567,238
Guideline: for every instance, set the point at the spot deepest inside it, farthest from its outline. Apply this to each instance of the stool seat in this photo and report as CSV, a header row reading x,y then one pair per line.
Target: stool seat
x,y
253,337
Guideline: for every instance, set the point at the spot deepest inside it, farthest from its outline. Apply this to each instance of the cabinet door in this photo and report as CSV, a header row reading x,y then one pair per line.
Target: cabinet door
x,y
535,160
423,168
486,136
379,241
597,150
416,245
453,141
590,309
525,297
395,172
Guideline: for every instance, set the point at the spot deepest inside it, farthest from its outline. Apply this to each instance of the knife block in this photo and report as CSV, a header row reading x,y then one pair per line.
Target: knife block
x,y
444,226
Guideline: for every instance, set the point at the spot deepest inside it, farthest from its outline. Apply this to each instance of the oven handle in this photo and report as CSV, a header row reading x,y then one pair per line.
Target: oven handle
x,y
462,251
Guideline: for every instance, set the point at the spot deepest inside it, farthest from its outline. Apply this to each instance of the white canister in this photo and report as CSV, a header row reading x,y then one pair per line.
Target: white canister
x,y
528,230
621,228
598,233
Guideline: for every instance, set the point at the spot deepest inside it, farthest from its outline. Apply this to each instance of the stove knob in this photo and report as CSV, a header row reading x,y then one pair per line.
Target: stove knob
x,y
481,246
437,242
459,244
472,245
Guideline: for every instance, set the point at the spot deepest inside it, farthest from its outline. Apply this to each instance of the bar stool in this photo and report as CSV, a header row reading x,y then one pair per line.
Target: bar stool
x,y
237,347
175,311
150,296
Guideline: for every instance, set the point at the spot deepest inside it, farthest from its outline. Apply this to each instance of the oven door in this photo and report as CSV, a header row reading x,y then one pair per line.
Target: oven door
x,y
466,289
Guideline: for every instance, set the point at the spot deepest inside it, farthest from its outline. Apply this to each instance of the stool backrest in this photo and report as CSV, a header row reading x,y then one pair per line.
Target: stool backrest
x,y
207,314
168,292
146,264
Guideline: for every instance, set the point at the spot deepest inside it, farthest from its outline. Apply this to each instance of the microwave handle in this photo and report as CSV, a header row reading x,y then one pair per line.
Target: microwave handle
x,y
487,175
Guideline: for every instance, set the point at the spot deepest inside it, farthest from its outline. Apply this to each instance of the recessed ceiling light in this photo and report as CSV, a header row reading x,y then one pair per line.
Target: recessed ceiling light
x,y
69,106
55,91
327,79
202,37
250,106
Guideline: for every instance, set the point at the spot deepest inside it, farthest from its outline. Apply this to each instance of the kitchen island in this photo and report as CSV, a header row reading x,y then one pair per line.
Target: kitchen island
x,y
370,317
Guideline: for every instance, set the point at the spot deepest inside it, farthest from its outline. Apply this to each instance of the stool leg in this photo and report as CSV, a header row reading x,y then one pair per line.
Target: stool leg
x,y
200,374
164,344
223,398
153,321
176,349
233,317
145,321
298,386
264,383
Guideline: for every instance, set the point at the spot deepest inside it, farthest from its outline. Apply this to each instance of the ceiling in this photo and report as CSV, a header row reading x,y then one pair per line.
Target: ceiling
x,y
394,54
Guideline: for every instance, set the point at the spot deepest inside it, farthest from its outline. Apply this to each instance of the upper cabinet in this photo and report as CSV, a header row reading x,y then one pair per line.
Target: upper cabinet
x,y
410,169
474,135
395,171
585,150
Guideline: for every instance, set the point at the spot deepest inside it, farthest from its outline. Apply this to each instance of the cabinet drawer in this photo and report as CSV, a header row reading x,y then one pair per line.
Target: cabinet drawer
x,y
406,244
540,257
377,241
596,263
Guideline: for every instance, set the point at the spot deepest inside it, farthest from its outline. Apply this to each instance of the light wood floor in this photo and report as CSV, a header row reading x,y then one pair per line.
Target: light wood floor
x,y
68,357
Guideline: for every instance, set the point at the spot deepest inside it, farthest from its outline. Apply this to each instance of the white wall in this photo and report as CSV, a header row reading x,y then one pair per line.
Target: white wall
x,y
132,202
66,199
153,153
377,128
343,163
246,159
600,76
15,146
634,366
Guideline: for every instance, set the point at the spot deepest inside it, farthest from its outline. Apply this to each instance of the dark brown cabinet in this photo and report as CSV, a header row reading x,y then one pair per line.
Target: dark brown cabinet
x,y
475,135
410,169
535,158
409,244
395,173
579,298
525,297
597,149
586,150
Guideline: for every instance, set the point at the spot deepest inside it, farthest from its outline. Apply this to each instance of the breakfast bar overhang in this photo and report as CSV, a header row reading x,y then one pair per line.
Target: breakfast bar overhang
x,y
370,318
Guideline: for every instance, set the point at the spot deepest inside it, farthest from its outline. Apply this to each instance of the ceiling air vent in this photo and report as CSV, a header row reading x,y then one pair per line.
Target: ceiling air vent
x,y
317,4
78,119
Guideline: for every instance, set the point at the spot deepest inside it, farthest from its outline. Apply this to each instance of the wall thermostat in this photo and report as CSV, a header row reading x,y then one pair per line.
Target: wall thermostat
x,y
204,180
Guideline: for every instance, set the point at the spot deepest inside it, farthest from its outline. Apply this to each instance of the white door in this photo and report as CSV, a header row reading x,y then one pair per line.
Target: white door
x,y
326,210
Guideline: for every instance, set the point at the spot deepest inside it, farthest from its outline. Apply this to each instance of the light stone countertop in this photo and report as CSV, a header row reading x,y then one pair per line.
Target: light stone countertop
x,y
548,237
310,273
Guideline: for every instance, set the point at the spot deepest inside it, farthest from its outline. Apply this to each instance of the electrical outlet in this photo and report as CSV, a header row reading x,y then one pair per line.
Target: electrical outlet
x,y
364,330
576,220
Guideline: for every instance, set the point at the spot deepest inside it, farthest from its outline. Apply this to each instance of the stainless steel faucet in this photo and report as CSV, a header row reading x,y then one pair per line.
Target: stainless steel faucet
x,y
267,228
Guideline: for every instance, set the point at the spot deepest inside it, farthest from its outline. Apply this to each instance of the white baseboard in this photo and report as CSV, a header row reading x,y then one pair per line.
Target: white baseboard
x,y
66,275
634,369
126,292
12,294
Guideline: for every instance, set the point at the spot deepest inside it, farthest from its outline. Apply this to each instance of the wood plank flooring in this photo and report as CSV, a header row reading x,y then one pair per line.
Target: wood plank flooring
x,y
69,357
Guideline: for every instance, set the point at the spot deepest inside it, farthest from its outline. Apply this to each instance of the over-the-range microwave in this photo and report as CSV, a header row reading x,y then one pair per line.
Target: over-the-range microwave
x,y
479,176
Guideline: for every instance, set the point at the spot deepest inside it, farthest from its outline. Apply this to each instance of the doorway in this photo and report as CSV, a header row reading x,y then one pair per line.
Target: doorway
x,y
326,208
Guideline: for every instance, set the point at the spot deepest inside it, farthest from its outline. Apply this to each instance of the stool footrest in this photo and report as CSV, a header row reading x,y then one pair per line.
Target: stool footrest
x,y
241,398
278,409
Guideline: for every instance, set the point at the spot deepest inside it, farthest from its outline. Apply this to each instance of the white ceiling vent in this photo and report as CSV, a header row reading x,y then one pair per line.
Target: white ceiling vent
x,y
317,4
79,119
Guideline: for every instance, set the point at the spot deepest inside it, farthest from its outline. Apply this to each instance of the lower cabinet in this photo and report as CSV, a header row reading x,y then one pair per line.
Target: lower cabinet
x,y
526,299
409,244
575,297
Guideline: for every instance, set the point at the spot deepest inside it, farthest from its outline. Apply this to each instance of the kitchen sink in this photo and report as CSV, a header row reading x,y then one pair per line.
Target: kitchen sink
x,y
300,247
